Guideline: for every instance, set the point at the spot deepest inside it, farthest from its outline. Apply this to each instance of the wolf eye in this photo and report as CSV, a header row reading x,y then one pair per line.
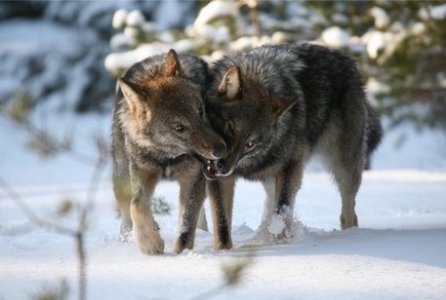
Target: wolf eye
x,y
249,145
200,110
179,128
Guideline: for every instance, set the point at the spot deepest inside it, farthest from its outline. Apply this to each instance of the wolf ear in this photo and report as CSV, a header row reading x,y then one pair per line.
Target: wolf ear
x,y
230,84
172,67
281,105
132,98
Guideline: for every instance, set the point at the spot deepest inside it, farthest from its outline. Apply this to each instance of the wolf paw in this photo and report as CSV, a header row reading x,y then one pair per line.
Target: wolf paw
x,y
277,225
152,247
220,245
280,228
182,244
149,240
347,222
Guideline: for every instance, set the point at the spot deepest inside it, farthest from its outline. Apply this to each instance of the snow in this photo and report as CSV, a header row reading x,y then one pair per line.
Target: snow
x,y
213,10
335,37
123,60
376,41
381,17
374,88
39,37
437,12
119,18
120,40
46,61
131,33
397,253
135,18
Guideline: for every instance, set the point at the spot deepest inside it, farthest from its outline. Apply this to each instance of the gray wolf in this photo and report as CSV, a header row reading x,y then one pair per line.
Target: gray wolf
x,y
275,107
160,131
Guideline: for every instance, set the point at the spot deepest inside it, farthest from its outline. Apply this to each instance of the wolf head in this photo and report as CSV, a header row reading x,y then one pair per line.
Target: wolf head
x,y
164,107
249,116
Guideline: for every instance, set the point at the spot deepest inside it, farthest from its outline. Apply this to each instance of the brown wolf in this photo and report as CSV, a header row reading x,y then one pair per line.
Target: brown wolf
x,y
159,127
276,106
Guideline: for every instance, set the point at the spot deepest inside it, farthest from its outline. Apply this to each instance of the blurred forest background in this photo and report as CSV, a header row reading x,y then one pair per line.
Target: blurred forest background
x,y
65,55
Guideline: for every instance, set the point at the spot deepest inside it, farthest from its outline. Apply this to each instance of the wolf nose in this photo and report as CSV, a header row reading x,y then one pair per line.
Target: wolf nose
x,y
219,150
222,167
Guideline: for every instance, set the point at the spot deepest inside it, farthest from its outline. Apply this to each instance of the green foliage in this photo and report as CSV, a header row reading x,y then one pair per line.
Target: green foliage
x,y
46,145
401,45
59,291
20,107
41,141
233,272
66,206
413,62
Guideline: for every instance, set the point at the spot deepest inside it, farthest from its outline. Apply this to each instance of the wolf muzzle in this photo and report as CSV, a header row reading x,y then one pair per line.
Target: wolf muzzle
x,y
216,168
208,146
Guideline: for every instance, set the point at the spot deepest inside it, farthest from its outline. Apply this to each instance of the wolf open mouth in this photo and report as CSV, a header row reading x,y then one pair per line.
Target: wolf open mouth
x,y
210,169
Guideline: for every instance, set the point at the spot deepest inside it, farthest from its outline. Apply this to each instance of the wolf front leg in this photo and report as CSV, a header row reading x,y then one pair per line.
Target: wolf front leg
x,y
145,228
192,195
221,195
287,182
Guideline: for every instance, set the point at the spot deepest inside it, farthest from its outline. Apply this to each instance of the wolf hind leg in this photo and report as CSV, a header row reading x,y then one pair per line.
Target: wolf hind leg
x,y
123,194
346,159
348,183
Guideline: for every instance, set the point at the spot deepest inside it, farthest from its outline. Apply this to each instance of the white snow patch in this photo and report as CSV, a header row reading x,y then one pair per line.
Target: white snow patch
x,y
381,17
276,225
439,12
418,28
119,18
213,10
436,12
124,60
131,32
335,37
376,41
135,18
185,46
120,40
216,34
374,88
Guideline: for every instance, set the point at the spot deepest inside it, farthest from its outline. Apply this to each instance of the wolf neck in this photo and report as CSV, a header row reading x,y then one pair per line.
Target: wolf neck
x,y
146,157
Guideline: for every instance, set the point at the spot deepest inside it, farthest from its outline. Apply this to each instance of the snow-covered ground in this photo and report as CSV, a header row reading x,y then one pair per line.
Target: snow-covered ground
x,y
399,251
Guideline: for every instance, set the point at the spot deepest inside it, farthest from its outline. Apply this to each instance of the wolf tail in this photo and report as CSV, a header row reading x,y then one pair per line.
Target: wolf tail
x,y
374,133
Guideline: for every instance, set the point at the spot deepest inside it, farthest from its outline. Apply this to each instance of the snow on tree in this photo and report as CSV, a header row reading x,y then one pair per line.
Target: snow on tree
x,y
400,46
